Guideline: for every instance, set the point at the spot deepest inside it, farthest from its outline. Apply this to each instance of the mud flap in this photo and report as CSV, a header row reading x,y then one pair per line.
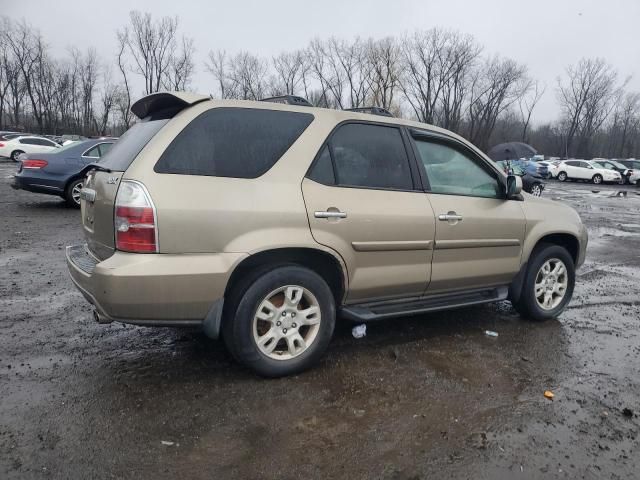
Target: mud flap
x,y
213,320
515,289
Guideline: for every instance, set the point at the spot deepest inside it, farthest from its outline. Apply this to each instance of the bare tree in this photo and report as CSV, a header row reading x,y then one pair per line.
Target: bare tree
x,y
5,79
151,45
532,95
243,76
181,66
586,98
289,71
123,93
437,66
383,57
496,85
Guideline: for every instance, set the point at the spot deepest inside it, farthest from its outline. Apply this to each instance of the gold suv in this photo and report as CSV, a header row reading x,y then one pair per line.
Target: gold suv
x,y
261,222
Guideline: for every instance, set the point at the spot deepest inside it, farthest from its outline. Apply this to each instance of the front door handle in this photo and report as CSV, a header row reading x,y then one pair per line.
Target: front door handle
x,y
450,217
330,214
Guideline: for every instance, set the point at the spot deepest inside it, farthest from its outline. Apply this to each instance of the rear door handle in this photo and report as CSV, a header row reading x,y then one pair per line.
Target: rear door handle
x,y
330,214
451,216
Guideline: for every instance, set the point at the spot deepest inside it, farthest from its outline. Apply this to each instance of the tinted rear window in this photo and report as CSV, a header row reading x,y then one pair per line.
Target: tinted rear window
x,y
233,142
127,148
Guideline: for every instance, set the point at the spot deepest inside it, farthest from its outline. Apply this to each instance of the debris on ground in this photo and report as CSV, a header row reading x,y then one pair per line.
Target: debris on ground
x,y
549,394
359,331
395,353
490,333
167,443
478,440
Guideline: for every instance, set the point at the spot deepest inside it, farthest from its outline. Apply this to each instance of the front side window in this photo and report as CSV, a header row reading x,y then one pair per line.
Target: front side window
x,y
233,142
368,156
451,172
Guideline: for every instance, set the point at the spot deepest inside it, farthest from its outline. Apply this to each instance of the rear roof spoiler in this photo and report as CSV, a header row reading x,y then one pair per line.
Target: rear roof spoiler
x,y
165,100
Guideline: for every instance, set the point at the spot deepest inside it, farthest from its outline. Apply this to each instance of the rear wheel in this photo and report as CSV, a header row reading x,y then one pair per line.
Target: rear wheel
x,y
548,284
15,154
597,179
562,176
72,193
281,322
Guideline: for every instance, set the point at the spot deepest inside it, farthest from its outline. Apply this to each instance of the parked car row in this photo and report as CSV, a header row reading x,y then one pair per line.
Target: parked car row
x,y
587,170
598,170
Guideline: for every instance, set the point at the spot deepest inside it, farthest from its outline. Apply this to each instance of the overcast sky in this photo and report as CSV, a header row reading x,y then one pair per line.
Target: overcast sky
x,y
545,35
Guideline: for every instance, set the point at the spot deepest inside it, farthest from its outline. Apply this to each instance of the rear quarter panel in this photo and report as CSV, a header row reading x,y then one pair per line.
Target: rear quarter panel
x,y
201,214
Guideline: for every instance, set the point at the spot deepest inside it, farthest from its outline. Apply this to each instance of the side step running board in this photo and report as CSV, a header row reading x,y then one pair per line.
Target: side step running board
x,y
368,312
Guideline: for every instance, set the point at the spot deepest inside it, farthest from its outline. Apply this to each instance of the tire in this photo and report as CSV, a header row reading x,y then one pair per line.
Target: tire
x,y
72,192
259,307
528,305
15,154
562,176
597,179
536,190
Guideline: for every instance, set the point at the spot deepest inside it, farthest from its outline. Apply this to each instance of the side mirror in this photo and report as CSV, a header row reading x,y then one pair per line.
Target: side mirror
x,y
514,186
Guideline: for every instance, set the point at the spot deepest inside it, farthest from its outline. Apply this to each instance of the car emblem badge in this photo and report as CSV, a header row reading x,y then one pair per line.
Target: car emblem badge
x,y
112,180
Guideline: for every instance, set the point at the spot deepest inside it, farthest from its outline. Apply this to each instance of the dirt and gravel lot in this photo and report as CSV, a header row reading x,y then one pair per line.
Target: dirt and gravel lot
x,y
421,397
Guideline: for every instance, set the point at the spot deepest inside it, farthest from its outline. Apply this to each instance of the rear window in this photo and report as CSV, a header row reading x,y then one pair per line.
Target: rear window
x,y
127,148
233,142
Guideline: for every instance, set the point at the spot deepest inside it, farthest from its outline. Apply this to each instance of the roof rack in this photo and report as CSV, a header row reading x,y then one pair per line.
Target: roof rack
x,y
371,110
289,100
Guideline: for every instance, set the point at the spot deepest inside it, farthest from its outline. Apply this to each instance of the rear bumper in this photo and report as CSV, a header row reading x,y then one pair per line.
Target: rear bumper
x,y
152,289
34,185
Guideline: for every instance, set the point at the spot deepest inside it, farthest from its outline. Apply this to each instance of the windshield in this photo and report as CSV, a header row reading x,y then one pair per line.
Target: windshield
x,y
617,164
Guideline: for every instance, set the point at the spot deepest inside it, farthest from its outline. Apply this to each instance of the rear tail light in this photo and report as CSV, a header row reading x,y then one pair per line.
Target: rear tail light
x,y
1,144
135,219
32,163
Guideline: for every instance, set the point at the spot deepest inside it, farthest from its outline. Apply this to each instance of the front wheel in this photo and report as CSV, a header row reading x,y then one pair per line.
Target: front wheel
x,y
562,176
597,179
282,322
536,190
548,284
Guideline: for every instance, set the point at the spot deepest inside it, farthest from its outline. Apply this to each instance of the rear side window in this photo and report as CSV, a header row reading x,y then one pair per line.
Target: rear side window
x,y
127,148
364,155
233,142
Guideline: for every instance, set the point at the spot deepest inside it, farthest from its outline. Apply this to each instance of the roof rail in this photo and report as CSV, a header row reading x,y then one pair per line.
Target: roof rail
x,y
371,111
289,100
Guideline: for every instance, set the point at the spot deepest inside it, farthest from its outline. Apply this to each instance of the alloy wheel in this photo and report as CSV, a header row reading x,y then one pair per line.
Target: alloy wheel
x,y
551,284
536,190
286,322
75,192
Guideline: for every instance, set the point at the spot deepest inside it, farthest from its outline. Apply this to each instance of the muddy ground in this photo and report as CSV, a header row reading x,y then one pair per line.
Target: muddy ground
x,y
421,397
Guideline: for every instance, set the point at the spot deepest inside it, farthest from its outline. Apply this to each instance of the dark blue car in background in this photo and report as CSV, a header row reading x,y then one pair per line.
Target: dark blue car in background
x,y
59,172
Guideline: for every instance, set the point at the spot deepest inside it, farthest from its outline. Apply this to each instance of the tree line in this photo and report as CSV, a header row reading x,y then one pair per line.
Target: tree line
x,y
442,77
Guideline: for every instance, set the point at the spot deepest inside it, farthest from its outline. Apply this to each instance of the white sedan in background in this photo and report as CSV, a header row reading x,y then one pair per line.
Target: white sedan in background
x,y
585,170
27,144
